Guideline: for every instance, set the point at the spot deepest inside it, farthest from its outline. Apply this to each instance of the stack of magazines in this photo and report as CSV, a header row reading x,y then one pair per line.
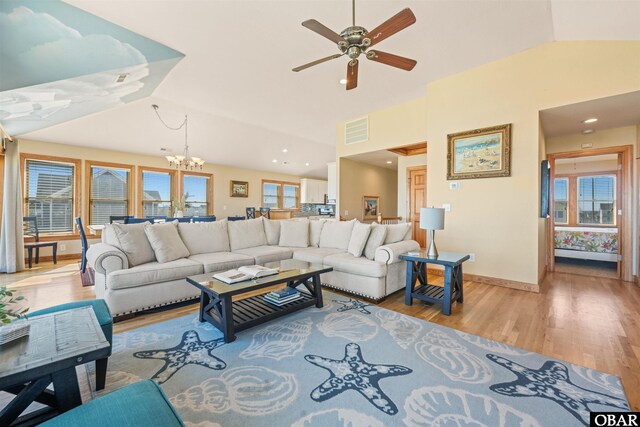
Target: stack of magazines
x,y
282,296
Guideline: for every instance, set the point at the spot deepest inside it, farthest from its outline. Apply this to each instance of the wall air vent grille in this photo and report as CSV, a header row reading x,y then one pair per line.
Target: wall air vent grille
x,y
356,131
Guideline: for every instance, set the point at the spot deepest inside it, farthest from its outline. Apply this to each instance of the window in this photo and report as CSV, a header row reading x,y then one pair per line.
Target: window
x,y
196,191
561,200
157,192
109,191
290,196
283,195
270,195
597,200
50,187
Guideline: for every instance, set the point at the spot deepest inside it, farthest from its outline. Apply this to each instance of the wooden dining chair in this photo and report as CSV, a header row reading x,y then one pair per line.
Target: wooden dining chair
x,y
30,229
207,218
118,218
251,213
265,212
138,220
83,241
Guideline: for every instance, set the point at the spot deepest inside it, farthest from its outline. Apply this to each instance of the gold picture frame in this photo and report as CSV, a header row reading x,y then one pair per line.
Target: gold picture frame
x,y
479,153
370,207
239,189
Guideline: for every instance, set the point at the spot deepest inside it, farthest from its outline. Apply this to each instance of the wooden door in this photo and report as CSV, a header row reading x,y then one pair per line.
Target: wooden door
x,y
417,189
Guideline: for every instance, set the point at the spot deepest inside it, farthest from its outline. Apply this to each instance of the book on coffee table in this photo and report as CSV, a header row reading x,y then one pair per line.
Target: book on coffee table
x,y
247,272
281,301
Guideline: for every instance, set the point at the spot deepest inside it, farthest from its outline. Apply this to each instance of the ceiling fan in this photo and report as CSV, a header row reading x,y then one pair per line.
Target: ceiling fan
x,y
355,40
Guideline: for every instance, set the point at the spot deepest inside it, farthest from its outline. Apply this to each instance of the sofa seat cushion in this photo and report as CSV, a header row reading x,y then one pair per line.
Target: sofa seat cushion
x,y
221,261
361,266
315,255
153,272
264,254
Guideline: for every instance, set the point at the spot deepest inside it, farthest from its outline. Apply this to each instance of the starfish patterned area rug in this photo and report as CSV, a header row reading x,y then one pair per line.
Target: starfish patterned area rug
x,y
355,364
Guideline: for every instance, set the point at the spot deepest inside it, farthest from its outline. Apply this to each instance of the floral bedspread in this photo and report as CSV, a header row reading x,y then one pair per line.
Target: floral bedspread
x,y
603,241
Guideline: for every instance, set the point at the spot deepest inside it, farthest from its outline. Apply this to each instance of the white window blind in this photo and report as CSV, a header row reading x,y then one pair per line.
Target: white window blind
x,y
196,195
49,194
597,200
109,193
156,193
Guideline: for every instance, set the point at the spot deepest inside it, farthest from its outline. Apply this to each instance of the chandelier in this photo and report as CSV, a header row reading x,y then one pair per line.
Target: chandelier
x,y
185,160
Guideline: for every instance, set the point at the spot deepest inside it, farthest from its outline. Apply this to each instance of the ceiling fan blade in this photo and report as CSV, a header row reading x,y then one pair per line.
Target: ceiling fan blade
x,y
316,62
317,27
396,23
391,59
352,74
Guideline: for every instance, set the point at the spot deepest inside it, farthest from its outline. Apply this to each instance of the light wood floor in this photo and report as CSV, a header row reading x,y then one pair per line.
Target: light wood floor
x,y
590,321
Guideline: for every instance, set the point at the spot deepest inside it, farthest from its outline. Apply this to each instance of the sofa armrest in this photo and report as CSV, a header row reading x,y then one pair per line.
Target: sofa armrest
x,y
389,254
105,258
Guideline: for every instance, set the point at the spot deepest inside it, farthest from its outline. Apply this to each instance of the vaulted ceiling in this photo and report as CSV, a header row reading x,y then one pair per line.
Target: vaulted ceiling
x,y
245,105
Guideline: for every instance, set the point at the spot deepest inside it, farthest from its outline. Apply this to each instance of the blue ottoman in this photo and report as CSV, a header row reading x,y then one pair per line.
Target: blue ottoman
x,y
137,405
106,323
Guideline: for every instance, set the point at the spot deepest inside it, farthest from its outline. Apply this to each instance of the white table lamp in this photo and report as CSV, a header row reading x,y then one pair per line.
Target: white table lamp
x,y
432,219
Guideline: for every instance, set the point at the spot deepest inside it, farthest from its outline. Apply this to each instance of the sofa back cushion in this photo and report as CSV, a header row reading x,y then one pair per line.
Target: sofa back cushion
x,y
358,240
132,240
376,239
397,232
272,231
205,237
248,233
315,228
336,234
166,242
294,234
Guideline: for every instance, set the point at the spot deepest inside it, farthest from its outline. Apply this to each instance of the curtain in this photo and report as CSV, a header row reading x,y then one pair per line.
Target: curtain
x,y
11,239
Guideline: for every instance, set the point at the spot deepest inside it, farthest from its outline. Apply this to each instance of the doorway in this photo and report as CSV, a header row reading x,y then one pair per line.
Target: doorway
x,y
590,215
416,199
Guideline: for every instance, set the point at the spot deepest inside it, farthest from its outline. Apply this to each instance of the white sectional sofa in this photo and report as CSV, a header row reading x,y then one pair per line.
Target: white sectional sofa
x,y
142,266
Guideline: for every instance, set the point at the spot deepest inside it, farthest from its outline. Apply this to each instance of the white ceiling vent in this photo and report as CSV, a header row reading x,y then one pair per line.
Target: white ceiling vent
x,y
356,131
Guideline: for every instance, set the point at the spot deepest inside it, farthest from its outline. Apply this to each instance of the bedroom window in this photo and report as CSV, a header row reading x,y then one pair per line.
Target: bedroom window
x,y
561,200
597,200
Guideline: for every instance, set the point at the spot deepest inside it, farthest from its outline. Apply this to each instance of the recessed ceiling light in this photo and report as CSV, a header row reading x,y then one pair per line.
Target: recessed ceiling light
x,y
588,131
389,162
343,81
274,161
306,164
591,120
284,150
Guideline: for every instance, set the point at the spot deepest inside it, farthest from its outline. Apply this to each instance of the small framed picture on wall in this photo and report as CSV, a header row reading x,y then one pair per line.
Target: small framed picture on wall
x,y
239,189
370,207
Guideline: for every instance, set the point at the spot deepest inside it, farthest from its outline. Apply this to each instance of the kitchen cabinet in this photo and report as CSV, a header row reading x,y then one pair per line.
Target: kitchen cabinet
x,y
312,190
332,183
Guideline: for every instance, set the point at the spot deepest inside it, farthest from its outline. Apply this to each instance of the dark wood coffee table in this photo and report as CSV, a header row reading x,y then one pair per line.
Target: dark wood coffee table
x,y
218,308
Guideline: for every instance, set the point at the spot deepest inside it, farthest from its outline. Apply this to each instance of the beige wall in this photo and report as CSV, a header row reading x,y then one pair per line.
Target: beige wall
x,y
223,204
403,124
497,218
405,162
361,179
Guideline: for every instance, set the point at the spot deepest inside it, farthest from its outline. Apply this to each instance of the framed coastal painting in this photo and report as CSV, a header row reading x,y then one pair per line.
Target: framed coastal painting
x,y
239,189
480,153
370,207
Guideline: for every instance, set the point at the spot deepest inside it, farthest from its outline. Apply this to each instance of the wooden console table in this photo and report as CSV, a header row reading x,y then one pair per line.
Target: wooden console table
x,y
417,271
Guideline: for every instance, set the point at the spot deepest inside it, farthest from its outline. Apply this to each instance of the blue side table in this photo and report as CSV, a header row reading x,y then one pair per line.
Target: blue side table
x,y
417,271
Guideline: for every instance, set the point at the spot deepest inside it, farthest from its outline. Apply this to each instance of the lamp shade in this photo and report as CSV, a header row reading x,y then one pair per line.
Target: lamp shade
x,y
432,218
